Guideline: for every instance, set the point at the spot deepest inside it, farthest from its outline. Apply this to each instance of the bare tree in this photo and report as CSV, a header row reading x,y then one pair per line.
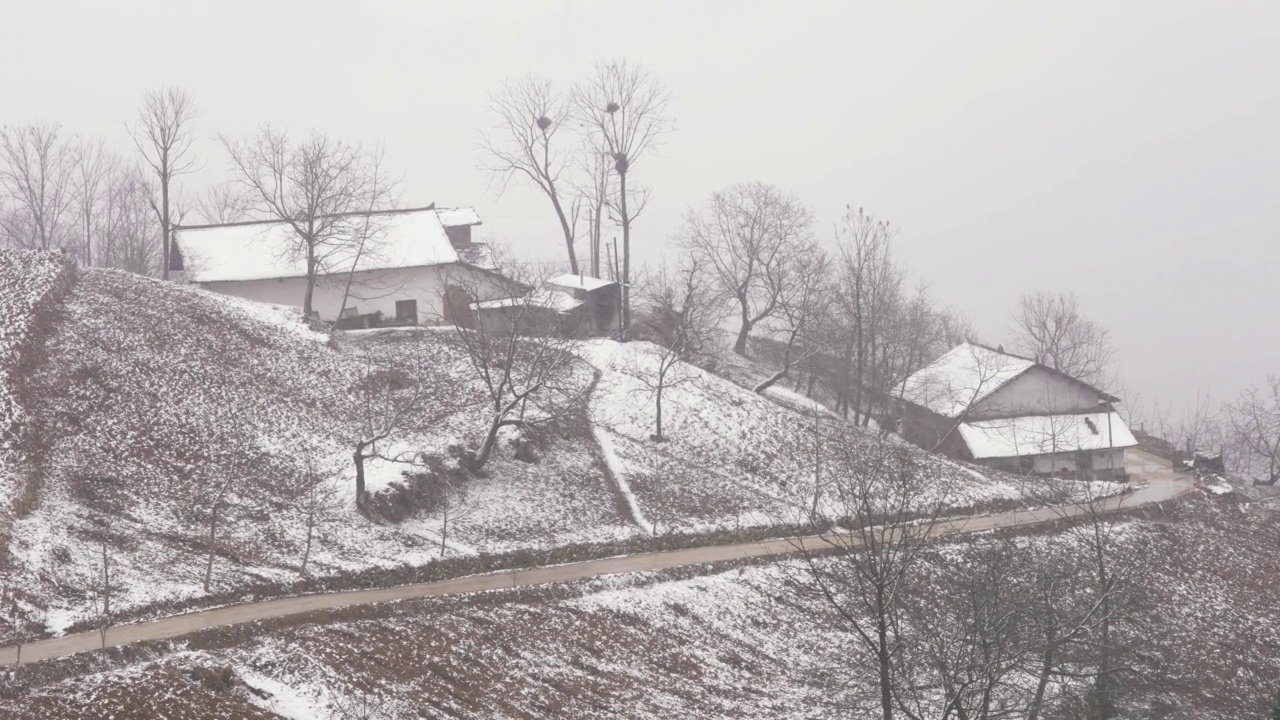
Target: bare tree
x,y
37,174
163,133
625,111
1051,327
595,191
217,491
1254,420
127,237
224,203
1087,612
1200,428
95,167
804,307
102,588
321,187
863,574
963,657
748,237
521,351
527,144
679,317
869,290
317,501
368,230
389,397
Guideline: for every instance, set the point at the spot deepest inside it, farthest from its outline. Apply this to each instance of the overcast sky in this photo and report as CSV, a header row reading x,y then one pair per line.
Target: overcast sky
x,y
1129,152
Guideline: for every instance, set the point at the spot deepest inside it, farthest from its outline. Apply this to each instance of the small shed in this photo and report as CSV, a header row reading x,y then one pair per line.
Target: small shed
x,y
571,305
600,312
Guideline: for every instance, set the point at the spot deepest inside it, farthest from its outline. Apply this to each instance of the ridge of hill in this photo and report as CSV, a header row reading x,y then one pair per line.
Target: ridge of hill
x,y
31,286
143,384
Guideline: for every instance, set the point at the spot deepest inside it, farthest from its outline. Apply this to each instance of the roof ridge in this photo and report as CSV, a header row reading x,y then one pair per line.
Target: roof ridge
x,y
352,213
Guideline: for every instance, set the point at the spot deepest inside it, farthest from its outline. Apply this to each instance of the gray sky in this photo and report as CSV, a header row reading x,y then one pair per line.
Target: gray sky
x,y
1129,152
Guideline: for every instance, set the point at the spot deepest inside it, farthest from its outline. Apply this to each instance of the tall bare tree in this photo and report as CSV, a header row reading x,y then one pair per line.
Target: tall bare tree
x,y
321,187
624,109
128,238
869,285
95,167
163,133
749,236
804,309
1051,327
863,575
530,143
1254,420
37,174
595,190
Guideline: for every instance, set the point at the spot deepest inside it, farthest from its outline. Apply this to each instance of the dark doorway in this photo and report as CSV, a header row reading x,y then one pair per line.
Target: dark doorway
x,y
407,311
457,306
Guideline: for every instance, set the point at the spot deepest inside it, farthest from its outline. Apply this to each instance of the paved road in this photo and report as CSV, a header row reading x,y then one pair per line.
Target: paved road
x,y
1162,484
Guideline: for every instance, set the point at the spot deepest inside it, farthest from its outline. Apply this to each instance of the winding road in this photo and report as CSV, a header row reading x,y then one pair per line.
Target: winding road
x,y
1156,482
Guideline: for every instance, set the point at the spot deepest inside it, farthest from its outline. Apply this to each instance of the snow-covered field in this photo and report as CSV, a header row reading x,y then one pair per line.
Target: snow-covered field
x,y
743,642
28,283
148,387
730,458
145,382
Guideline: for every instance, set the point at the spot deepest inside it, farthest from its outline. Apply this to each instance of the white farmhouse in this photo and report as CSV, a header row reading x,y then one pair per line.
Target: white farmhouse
x,y
414,266
985,405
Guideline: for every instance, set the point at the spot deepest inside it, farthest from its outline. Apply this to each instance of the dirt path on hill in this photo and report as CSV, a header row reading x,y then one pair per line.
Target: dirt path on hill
x,y
1161,483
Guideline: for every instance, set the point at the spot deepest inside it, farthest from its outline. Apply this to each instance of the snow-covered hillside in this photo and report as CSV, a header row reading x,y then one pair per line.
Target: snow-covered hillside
x,y
146,389
741,642
30,286
730,457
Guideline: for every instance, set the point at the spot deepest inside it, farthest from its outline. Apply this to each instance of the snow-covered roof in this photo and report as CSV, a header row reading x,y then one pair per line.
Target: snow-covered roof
x,y
548,298
456,217
579,282
962,377
1042,434
263,250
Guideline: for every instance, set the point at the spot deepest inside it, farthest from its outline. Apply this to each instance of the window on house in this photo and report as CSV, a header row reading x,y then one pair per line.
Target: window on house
x,y
407,311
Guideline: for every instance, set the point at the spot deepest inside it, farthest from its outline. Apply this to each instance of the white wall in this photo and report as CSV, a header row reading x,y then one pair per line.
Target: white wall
x,y
1037,391
1056,463
371,291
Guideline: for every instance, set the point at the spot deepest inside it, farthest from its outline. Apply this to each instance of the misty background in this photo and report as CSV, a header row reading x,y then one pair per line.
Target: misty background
x,y
1125,153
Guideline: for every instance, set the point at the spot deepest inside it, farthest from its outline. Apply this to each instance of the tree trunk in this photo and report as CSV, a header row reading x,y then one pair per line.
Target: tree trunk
x,y
213,527
886,679
165,228
490,440
740,345
311,525
1042,685
658,435
770,381
311,283
444,525
786,365
568,232
358,457
626,256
